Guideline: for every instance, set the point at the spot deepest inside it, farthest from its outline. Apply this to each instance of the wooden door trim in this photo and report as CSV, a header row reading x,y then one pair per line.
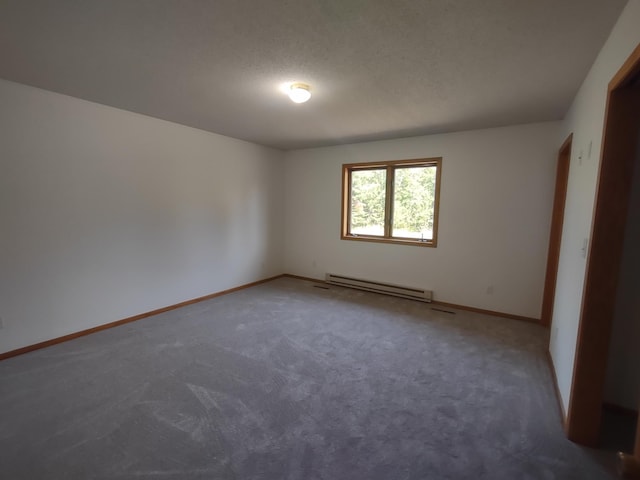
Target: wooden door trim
x,y
607,237
555,235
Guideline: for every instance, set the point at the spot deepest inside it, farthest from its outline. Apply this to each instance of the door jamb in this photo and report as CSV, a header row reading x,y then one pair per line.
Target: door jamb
x,y
555,236
603,263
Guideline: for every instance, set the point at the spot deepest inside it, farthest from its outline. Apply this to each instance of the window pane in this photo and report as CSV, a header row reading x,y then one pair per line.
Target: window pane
x,y
368,190
414,202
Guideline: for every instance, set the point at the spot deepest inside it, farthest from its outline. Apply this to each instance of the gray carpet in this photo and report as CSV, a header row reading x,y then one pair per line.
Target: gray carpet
x,y
287,381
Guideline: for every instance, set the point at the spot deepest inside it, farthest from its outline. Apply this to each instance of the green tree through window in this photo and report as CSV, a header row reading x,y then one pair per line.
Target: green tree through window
x,y
393,201
368,190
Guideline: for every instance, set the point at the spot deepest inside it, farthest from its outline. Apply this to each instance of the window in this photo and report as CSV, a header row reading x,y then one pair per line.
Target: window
x,y
392,202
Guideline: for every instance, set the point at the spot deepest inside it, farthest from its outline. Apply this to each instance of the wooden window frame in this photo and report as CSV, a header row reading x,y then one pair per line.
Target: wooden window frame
x,y
390,166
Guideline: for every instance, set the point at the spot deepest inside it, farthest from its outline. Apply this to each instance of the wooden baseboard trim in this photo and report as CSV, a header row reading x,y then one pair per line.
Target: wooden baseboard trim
x,y
554,378
486,312
442,304
82,333
612,407
306,279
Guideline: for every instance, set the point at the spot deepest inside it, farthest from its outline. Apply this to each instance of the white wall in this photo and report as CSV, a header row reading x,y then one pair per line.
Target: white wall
x,y
495,214
585,119
105,214
623,368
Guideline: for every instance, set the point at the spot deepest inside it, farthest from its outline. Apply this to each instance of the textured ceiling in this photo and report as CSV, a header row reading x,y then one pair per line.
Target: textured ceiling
x,y
378,68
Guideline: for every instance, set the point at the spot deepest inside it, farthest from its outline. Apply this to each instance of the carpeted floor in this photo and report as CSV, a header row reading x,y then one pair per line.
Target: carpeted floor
x,y
287,381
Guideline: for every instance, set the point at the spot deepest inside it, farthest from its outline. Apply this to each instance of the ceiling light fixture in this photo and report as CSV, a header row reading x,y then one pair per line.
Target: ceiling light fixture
x,y
299,92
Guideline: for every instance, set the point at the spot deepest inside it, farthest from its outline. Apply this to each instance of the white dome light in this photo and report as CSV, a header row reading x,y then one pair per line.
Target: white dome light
x,y
299,92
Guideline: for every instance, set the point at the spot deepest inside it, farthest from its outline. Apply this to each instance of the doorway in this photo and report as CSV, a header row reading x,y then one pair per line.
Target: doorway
x,y
618,160
555,237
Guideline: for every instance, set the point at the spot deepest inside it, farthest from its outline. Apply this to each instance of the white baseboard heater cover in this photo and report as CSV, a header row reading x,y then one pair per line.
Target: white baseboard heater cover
x,y
379,287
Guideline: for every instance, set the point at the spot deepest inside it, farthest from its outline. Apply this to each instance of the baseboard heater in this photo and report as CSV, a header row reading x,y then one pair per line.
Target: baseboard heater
x,y
378,287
